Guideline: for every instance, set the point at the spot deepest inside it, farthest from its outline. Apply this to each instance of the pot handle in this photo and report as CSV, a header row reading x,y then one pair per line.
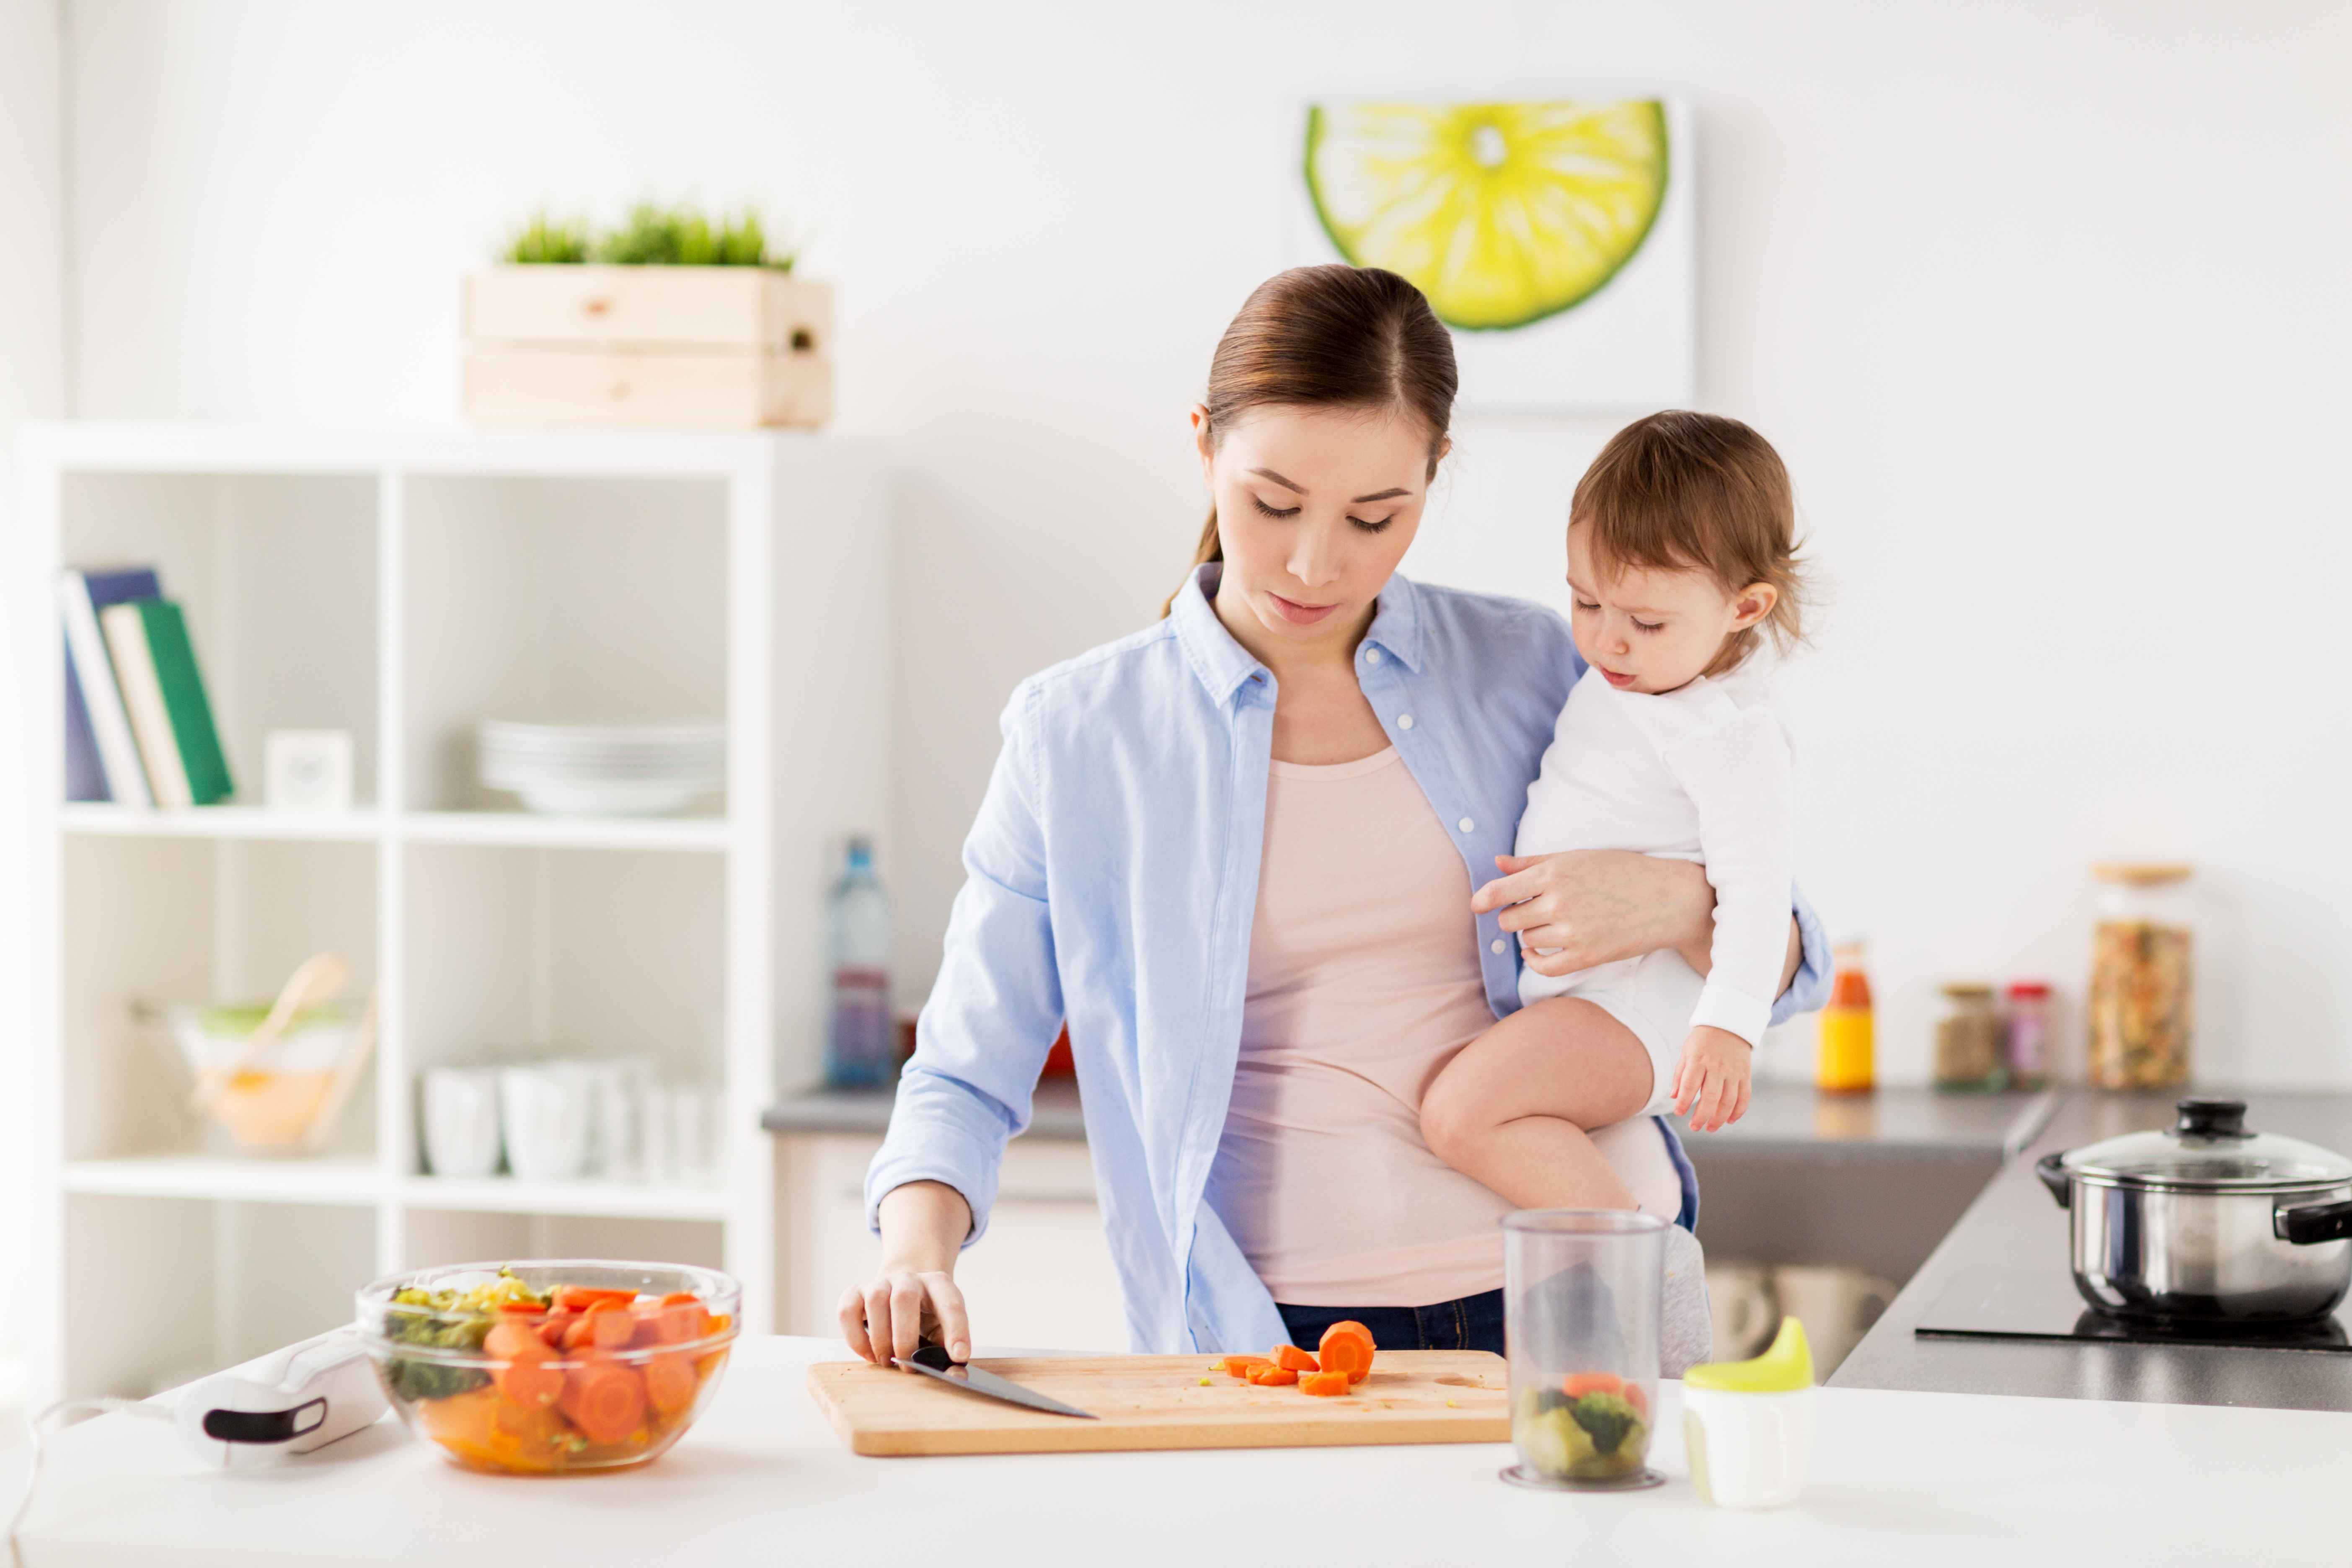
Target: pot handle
x,y
2053,1176
2310,1223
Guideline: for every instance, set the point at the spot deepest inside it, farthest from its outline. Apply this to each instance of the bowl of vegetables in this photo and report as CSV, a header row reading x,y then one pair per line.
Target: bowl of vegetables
x,y
544,1368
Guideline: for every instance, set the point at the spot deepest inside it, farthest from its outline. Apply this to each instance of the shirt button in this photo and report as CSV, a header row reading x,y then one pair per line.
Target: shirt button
x,y
1372,656
1467,826
1404,720
1495,945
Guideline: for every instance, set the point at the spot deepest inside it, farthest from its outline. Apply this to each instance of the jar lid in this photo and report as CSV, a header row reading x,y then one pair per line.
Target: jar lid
x,y
2210,1149
2029,988
2140,875
1967,991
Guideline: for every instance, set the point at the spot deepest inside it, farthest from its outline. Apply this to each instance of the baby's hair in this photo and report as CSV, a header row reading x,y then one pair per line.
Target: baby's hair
x,y
1682,492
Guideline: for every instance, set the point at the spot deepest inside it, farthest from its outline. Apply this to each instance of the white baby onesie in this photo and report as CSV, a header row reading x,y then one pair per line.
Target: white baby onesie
x,y
1701,772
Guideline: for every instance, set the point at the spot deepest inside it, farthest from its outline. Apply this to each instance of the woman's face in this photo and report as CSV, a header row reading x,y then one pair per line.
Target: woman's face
x,y
1314,508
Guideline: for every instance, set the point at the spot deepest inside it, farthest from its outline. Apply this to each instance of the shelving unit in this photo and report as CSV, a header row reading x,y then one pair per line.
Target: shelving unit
x,y
404,585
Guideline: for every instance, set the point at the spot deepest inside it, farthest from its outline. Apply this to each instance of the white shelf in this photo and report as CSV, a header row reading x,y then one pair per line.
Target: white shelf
x,y
706,833
402,583
221,821
508,1195
702,834
256,1180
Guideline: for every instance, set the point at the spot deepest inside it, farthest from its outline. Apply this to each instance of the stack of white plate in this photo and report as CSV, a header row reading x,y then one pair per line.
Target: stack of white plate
x,y
603,770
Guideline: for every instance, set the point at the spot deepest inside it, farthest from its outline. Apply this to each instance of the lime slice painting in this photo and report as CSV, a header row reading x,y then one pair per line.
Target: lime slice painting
x,y
1503,214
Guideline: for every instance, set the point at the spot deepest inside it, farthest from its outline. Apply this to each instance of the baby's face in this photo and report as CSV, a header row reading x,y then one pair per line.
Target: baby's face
x,y
1650,630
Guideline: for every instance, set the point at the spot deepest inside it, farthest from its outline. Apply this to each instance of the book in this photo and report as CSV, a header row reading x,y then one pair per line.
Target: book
x,y
155,665
101,758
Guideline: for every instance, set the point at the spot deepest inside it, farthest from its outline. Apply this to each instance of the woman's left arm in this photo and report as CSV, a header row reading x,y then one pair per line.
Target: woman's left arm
x,y
1595,906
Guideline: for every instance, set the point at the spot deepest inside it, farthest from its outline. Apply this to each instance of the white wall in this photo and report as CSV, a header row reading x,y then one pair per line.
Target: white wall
x,y
32,386
2045,304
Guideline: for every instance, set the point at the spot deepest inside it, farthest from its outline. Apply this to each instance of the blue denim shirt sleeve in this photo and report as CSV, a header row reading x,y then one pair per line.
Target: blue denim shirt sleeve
x,y
1811,987
995,1011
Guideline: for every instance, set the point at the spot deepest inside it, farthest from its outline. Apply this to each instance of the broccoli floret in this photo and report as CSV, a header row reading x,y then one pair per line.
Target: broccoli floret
x,y
1607,1416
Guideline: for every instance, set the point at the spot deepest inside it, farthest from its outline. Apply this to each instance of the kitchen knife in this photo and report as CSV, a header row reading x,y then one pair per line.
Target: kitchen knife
x,y
933,1360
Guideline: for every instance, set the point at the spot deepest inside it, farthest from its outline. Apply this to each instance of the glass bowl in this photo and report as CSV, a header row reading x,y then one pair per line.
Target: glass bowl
x,y
546,1367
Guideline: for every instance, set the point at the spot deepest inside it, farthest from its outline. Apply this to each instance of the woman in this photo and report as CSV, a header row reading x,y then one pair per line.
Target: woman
x,y
1236,852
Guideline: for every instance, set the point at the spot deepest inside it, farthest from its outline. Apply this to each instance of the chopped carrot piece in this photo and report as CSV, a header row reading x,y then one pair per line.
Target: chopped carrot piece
x,y
1239,1365
1346,1331
1290,1358
522,1309
1323,1384
604,1399
580,1297
1577,1384
551,1328
610,1325
1637,1399
527,1378
1272,1376
670,1382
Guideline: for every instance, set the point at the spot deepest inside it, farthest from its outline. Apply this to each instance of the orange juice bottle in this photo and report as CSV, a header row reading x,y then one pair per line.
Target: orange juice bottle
x,y
1847,1049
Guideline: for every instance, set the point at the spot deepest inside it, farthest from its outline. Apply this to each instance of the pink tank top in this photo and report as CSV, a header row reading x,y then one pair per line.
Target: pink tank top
x,y
1363,981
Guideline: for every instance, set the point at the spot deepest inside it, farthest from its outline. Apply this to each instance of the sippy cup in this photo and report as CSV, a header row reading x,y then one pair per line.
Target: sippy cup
x,y
1748,1426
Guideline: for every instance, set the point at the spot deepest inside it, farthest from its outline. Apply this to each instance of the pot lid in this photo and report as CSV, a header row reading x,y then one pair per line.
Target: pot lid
x,y
2210,1147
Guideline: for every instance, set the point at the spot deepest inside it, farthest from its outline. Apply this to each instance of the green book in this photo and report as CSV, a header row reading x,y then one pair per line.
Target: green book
x,y
156,666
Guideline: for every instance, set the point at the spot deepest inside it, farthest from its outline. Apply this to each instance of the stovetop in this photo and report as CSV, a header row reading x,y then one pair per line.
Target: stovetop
x,y
2042,1304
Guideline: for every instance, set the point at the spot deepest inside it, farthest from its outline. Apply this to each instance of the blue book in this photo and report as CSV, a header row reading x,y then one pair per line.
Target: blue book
x,y
101,761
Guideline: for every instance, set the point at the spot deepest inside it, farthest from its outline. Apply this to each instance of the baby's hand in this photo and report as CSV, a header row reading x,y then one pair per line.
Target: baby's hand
x,y
1711,1085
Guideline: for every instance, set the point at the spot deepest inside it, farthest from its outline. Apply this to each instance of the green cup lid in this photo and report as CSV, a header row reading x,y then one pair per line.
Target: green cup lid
x,y
1786,1366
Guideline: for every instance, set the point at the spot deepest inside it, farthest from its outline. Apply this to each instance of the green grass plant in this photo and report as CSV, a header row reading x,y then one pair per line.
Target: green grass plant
x,y
652,236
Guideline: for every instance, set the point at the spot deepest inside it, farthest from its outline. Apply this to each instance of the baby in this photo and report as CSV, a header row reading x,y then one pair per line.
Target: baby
x,y
1680,558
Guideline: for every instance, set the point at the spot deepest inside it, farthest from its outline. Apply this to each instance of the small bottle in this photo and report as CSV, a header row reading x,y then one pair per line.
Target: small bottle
x,y
2027,1038
860,1050
1848,1053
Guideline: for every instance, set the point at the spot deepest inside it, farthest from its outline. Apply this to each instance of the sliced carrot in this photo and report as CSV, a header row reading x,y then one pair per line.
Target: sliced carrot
x,y
610,1326
1271,1377
1239,1365
1345,1352
522,1309
604,1399
506,1337
1577,1384
1323,1384
670,1383
530,1378
551,1327
577,1334
681,1298
674,1321
1637,1399
580,1297
1290,1358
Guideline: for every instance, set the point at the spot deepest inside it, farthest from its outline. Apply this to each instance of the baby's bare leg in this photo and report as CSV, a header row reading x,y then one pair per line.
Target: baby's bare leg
x,y
1512,1107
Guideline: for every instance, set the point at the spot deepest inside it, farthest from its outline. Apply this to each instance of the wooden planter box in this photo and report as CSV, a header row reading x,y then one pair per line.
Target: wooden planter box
x,y
732,347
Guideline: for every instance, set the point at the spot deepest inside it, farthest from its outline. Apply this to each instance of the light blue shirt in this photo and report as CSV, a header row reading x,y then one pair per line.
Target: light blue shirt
x,y
1112,877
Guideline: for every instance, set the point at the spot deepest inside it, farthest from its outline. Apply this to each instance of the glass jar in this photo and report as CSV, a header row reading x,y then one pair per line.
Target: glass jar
x,y
1581,1292
2027,1038
1968,1039
2140,999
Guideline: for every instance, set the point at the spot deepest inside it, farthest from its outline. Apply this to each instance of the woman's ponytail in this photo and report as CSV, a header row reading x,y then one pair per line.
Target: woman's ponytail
x,y
1331,336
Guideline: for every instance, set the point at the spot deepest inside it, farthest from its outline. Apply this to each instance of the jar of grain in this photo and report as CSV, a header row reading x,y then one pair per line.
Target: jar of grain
x,y
2140,1001
1968,1039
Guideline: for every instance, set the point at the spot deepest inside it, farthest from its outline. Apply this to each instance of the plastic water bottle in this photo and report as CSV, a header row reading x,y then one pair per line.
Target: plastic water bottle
x,y
859,1050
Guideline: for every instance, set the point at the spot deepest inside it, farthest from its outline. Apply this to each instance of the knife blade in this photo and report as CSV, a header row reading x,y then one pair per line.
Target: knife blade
x,y
933,1360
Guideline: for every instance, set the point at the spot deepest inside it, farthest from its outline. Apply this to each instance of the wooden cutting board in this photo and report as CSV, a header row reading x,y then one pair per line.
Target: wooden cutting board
x,y
1158,1402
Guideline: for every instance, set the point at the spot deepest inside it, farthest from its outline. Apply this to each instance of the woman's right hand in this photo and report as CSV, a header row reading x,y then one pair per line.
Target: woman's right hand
x,y
913,1293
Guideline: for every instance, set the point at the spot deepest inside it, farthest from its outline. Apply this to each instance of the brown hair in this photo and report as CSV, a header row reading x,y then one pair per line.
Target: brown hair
x,y
1682,491
1330,337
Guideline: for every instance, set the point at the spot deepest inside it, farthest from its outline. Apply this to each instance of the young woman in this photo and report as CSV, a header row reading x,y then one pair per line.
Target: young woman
x,y
1248,855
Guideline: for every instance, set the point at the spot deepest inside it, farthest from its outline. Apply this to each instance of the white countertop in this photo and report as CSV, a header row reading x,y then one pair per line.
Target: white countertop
x,y
1897,1476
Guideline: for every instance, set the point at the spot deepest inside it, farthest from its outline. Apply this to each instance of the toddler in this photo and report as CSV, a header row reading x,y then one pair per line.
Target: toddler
x,y
1680,560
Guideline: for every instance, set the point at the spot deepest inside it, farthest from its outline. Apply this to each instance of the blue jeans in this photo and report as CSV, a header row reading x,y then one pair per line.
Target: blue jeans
x,y
1471,1323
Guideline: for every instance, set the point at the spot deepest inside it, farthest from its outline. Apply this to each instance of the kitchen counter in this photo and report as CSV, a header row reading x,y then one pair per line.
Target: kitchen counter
x,y
1055,1116
1923,1478
2014,1226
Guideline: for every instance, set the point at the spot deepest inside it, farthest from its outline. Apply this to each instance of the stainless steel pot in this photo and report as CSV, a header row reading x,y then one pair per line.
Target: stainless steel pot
x,y
2205,1220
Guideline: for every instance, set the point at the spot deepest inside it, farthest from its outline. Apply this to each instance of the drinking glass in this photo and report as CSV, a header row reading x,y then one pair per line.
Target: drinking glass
x,y
1581,1295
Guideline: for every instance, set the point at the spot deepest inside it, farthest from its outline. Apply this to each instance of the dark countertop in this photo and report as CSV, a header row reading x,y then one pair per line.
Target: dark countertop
x,y
868,1110
2013,1226
1802,1122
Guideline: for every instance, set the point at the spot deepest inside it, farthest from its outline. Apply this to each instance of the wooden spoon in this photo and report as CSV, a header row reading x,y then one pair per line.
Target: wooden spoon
x,y
319,978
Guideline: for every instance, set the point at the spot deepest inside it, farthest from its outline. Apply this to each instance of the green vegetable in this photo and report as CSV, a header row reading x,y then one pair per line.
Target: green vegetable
x,y
549,240
453,1320
681,237
1608,1417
